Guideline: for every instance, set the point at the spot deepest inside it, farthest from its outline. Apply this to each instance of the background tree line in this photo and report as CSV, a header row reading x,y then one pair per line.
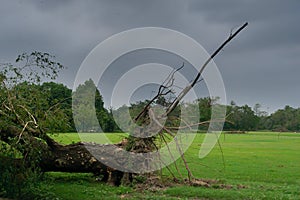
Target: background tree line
x,y
239,118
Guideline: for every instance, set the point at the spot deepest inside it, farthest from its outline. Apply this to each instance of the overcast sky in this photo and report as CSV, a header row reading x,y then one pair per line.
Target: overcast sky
x,y
262,65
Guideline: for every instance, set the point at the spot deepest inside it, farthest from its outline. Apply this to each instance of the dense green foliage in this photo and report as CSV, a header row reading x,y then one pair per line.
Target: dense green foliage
x,y
52,95
287,119
85,110
26,113
239,118
18,180
51,104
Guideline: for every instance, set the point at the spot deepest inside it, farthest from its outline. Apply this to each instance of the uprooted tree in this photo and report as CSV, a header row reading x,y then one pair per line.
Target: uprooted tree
x,y
26,120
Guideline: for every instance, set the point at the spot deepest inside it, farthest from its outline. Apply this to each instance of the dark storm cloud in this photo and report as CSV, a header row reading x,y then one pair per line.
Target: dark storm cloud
x,y
260,64
263,63
273,23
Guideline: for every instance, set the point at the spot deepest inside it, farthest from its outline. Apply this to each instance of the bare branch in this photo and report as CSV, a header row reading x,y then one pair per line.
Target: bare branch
x,y
25,126
189,87
167,83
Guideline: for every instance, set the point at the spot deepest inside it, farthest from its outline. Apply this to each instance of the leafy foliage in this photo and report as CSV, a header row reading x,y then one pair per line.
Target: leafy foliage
x,y
86,107
239,118
287,119
17,179
25,114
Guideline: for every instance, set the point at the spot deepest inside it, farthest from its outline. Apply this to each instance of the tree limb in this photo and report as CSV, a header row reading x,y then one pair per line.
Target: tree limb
x,y
189,87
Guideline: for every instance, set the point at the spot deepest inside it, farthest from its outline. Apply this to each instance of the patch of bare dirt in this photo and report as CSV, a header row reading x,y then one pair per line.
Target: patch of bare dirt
x,y
155,183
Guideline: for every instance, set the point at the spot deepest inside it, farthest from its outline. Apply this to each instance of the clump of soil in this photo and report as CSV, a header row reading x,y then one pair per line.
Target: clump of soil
x,y
156,183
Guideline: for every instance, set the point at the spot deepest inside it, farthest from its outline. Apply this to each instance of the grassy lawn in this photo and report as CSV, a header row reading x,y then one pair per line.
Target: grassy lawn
x,y
257,165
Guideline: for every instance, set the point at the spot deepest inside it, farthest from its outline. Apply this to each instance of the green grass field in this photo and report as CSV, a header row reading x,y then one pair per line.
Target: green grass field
x,y
257,165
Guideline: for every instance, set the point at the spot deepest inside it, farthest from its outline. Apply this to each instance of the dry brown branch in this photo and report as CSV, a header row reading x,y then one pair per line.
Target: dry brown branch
x,y
166,85
189,87
24,128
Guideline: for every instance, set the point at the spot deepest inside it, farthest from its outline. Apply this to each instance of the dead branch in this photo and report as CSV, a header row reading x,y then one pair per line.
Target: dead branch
x,y
167,83
189,87
30,115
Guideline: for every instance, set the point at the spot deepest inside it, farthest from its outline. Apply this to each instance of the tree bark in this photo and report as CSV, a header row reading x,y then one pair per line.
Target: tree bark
x,y
73,158
76,158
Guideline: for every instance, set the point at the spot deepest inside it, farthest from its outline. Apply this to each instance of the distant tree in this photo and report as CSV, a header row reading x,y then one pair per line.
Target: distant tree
x,y
287,119
205,105
258,112
241,118
84,108
85,111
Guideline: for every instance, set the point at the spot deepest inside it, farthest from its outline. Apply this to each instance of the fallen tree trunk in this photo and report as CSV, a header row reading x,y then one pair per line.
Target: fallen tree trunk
x,y
73,158
76,158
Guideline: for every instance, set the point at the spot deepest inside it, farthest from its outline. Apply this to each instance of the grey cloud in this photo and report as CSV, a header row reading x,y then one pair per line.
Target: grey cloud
x,y
263,60
231,11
